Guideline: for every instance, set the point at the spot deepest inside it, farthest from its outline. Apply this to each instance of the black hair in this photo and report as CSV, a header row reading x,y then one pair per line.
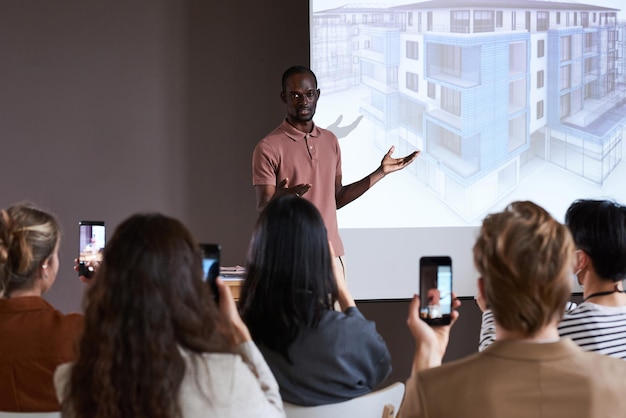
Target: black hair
x,y
296,69
599,229
289,275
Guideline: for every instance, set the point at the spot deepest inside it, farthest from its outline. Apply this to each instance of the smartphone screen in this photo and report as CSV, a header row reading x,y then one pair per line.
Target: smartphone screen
x,y
91,240
211,265
435,289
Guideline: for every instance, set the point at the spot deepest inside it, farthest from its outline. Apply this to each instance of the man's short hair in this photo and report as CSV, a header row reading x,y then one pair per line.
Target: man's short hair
x,y
525,258
296,69
599,229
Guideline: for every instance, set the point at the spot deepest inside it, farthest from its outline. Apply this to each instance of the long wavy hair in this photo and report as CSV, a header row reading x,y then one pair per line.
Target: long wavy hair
x,y
28,236
289,276
147,302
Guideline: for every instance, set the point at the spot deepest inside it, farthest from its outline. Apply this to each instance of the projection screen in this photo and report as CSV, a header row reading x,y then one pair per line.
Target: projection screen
x,y
507,100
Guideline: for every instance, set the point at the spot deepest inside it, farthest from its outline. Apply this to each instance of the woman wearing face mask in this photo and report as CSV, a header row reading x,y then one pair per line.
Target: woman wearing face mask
x,y
599,322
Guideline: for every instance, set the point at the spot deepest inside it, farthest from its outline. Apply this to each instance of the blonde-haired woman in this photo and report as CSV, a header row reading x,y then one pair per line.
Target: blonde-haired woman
x,y
36,337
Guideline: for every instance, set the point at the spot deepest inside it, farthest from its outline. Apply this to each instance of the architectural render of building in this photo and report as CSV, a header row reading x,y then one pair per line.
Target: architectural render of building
x,y
488,90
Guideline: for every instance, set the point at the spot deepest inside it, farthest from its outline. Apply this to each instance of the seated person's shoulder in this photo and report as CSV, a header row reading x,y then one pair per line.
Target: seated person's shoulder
x,y
61,379
70,322
348,325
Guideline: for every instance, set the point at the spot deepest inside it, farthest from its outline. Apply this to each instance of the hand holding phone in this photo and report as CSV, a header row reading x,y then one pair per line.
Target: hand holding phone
x,y
91,240
435,289
211,266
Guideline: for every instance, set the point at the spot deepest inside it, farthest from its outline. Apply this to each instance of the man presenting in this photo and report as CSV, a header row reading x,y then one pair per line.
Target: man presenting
x,y
301,158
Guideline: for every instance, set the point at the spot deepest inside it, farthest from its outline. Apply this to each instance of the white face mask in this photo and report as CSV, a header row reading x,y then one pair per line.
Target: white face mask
x,y
576,279
575,275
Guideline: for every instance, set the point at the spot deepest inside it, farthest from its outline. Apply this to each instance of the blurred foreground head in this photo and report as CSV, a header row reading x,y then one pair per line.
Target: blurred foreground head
x,y
525,259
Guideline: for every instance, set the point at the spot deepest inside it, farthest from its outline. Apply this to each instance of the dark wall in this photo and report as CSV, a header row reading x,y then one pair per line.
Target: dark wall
x,y
390,318
236,52
113,107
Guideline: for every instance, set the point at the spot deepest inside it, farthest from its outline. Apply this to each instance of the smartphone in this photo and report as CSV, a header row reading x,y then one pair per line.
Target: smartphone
x,y
211,266
435,289
91,240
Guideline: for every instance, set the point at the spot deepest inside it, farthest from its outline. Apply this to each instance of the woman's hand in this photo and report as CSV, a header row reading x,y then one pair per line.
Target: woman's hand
x,y
92,266
344,298
430,342
233,327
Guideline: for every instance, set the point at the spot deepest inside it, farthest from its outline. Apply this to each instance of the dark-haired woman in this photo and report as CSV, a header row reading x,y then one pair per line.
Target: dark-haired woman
x,y
317,354
155,344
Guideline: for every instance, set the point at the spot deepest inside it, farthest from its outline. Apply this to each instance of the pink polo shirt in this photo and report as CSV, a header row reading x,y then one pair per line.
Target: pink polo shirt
x,y
313,158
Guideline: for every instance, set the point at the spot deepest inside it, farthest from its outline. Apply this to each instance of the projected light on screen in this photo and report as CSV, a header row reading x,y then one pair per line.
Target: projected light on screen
x,y
507,100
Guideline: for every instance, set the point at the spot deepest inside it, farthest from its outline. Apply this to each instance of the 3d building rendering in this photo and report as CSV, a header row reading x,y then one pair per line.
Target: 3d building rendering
x,y
488,90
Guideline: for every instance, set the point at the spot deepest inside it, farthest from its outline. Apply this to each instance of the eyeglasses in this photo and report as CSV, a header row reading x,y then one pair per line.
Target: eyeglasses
x,y
309,95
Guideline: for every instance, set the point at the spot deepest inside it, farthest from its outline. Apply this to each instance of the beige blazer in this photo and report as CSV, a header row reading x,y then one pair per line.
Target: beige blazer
x,y
517,379
217,385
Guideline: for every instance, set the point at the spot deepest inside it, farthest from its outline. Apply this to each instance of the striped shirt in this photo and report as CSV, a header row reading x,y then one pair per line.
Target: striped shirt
x,y
593,327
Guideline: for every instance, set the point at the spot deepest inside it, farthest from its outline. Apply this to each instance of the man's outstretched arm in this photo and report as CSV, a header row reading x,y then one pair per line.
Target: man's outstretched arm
x,y
346,194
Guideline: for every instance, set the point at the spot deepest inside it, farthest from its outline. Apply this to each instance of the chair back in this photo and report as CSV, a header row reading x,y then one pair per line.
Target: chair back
x,y
383,403
30,414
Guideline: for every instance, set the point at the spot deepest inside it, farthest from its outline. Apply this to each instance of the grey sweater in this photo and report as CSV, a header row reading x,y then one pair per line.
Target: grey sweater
x,y
344,357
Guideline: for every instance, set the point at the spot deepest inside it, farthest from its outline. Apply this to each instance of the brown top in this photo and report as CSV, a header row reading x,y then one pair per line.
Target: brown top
x,y
516,379
313,158
34,339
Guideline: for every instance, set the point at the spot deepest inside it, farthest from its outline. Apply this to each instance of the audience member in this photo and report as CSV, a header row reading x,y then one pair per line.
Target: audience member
x,y
36,338
317,354
155,344
599,323
525,260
